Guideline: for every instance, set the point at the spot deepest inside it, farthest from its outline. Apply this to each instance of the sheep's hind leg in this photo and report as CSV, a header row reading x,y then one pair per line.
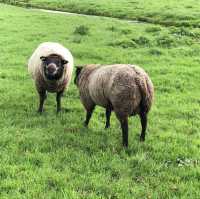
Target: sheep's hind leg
x,y
58,100
124,126
89,115
43,96
108,114
143,119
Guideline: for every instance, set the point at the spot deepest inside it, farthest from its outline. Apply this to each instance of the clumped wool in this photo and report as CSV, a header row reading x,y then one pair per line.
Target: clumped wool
x,y
126,87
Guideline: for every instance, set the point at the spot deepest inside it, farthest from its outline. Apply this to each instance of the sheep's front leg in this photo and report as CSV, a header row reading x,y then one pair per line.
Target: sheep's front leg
x,y
58,100
108,114
89,115
143,119
42,96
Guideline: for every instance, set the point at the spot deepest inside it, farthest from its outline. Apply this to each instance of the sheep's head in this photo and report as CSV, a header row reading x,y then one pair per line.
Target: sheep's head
x,y
77,74
53,66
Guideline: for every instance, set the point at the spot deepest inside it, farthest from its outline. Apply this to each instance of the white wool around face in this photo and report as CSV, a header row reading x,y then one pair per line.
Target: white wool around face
x,y
45,49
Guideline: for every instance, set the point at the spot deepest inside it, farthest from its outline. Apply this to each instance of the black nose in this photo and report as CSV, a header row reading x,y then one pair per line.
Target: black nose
x,y
51,68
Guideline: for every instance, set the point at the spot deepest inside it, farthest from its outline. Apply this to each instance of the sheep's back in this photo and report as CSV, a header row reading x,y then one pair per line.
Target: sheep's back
x,y
124,93
114,84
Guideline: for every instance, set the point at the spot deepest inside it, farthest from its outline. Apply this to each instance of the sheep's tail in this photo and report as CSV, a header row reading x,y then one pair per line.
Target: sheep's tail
x,y
147,92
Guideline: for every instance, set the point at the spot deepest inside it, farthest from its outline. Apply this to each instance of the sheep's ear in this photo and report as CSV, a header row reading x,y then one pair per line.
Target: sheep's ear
x,y
64,62
43,58
78,71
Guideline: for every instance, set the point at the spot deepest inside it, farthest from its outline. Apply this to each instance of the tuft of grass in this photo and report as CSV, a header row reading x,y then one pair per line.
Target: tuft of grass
x,y
155,51
123,43
153,29
166,41
81,30
142,41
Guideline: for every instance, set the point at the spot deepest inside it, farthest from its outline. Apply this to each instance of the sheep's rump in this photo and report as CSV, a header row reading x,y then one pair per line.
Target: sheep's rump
x,y
124,86
46,49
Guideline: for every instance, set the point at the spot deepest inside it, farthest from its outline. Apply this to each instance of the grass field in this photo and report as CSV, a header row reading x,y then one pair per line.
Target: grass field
x,y
165,12
54,156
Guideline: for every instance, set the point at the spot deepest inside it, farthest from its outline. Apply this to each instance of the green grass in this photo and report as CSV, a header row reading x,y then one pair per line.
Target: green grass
x,y
52,156
165,12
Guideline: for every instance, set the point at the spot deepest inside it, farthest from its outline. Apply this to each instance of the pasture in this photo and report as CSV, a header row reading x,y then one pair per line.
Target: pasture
x,y
168,13
55,156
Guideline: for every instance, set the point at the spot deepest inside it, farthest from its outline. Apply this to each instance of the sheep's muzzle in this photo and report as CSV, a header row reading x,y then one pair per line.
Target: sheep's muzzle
x,y
51,69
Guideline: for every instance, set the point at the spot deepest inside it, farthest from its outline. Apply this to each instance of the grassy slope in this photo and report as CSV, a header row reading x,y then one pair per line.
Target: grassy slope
x,y
166,12
53,156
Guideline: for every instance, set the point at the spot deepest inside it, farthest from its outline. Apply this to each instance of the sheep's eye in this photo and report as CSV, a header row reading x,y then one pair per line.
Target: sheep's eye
x,y
43,59
64,62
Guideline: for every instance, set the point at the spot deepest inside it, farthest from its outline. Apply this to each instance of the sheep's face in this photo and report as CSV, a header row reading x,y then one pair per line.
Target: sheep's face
x,y
78,72
53,66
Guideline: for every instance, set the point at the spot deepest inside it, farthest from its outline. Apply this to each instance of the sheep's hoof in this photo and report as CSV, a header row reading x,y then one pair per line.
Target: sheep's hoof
x,y
142,139
85,124
107,126
58,111
40,111
66,110
125,145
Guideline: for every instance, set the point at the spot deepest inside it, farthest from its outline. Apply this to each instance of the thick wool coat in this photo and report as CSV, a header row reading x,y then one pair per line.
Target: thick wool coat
x,y
35,67
127,88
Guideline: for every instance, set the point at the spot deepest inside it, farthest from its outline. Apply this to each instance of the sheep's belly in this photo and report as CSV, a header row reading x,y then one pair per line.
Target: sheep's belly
x,y
52,87
99,98
98,87
55,87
